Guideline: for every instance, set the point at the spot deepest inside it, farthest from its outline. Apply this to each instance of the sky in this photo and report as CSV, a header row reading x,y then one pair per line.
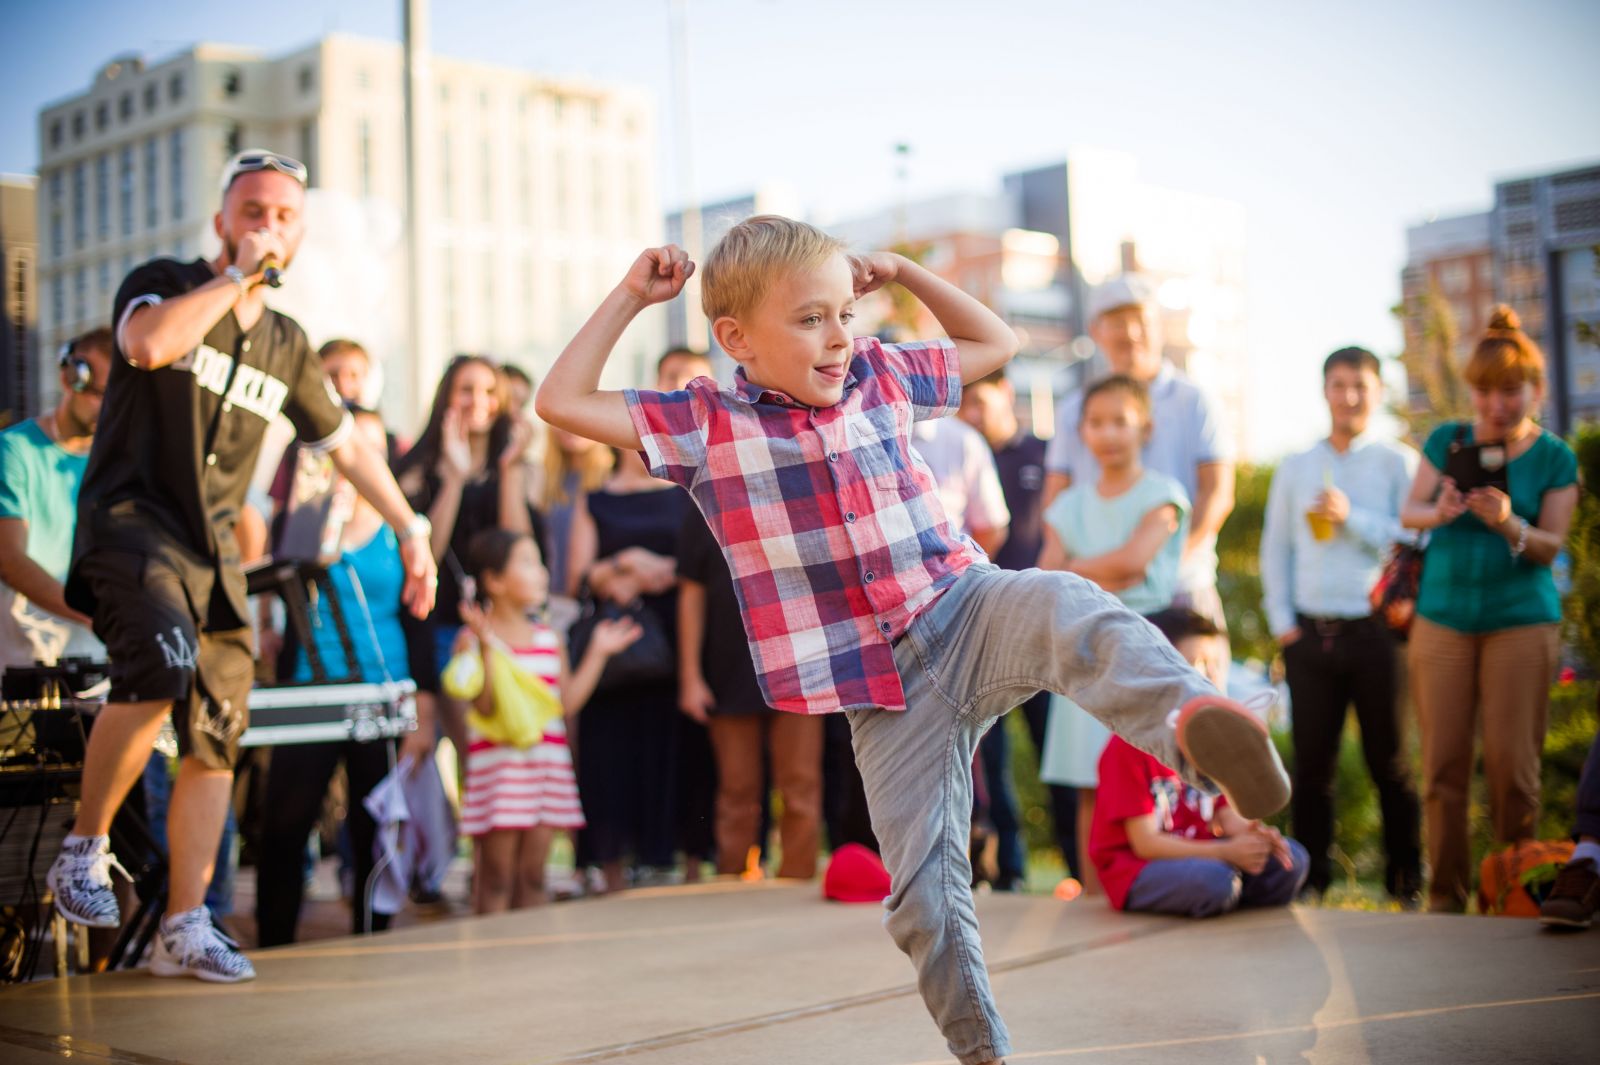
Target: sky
x,y
1334,125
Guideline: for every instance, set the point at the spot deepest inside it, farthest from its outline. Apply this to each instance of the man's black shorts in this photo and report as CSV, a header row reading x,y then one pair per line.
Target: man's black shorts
x,y
153,612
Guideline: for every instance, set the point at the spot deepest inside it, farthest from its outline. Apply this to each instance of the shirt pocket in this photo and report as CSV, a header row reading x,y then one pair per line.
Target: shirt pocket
x,y
877,439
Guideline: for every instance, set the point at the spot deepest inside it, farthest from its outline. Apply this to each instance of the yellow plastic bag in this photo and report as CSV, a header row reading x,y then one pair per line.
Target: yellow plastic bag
x,y
523,704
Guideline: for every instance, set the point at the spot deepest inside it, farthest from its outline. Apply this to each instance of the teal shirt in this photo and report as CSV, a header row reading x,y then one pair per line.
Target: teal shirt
x,y
1089,525
39,483
1470,582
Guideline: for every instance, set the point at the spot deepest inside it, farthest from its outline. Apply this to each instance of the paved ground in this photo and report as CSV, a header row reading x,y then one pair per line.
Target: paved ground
x,y
770,974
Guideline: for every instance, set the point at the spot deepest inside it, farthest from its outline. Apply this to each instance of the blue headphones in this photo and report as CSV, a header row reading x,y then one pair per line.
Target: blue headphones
x,y
80,374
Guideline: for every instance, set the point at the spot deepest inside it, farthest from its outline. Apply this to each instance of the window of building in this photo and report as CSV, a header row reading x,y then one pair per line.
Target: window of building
x,y
125,190
125,107
233,140
486,170
58,239
557,105
446,176
55,134
232,81
559,165
175,88
80,204
175,164
483,99
152,94
307,78
80,294
102,116
58,301
102,196
594,113
308,150
103,275
364,154
152,191
79,125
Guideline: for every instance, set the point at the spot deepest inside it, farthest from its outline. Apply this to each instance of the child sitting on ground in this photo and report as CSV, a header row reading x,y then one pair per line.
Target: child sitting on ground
x,y
857,592
520,785
1161,846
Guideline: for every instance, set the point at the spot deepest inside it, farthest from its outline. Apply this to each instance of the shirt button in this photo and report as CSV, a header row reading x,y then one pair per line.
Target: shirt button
x,y
869,577
850,517
833,456
211,460
245,347
226,407
885,626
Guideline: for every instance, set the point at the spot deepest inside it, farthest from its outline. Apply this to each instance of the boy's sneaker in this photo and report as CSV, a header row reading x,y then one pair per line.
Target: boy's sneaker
x,y
1574,897
1231,746
80,881
191,944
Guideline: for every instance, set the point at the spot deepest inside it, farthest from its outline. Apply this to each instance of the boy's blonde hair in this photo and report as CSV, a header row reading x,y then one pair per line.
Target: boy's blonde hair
x,y
743,264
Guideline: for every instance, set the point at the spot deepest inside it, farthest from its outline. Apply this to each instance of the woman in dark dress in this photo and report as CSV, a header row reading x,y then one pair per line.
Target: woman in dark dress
x,y
624,542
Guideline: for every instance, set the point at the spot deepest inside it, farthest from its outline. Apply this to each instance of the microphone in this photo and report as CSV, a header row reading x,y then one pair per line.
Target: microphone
x,y
271,272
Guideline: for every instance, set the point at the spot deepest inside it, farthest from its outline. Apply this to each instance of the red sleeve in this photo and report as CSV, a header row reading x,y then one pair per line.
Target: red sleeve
x,y
1124,789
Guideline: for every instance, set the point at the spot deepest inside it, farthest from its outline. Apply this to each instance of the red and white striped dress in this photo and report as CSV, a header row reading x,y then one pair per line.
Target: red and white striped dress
x,y
512,789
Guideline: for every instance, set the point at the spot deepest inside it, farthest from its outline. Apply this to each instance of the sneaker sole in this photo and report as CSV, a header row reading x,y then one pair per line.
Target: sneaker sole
x,y
1235,750
55,898
162,967
1564,922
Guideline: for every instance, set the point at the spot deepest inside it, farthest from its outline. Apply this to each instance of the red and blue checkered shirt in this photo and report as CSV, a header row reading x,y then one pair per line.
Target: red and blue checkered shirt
x,y
831,526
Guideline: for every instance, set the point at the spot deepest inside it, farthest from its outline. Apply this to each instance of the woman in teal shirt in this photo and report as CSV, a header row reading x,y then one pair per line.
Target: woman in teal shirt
x,y
1486,638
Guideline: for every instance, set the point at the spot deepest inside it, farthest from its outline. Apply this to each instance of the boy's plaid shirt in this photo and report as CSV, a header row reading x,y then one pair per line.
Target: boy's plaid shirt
x,y
831,526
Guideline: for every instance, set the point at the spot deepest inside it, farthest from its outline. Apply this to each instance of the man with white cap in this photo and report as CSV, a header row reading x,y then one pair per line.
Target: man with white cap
x,y
201,366
1187,441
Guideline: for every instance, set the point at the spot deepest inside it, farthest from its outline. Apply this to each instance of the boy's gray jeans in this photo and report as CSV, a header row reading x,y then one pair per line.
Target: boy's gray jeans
x,y
989,643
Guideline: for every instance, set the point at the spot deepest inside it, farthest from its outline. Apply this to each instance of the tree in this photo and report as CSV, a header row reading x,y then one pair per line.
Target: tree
x,y
1430,355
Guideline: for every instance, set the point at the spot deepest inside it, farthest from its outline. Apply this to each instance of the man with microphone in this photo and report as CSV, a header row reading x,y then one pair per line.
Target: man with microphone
x,y
202,366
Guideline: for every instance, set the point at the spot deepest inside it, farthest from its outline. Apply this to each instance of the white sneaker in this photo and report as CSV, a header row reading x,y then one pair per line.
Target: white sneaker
x,y
80,881
191,944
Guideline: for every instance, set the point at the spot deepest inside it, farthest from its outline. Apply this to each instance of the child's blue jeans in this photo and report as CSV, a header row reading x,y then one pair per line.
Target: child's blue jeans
x,y
989,643
1207,887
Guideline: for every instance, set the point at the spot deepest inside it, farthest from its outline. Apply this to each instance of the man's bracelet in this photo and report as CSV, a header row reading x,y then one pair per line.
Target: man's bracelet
x,y
237,276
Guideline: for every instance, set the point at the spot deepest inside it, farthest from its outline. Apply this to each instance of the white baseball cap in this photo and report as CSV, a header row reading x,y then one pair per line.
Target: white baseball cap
x,y
1124,290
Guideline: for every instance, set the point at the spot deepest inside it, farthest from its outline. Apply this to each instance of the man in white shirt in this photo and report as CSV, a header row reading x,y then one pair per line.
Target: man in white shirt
x,y
1187,442
1333,514
969,484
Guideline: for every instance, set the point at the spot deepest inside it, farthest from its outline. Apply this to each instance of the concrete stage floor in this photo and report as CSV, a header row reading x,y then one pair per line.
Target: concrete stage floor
x,y
769,974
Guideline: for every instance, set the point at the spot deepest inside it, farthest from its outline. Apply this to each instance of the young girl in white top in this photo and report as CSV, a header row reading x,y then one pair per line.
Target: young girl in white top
x,y
517,798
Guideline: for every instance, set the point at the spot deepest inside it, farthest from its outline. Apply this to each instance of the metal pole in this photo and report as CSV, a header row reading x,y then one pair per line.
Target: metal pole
x,y
422,351
695,329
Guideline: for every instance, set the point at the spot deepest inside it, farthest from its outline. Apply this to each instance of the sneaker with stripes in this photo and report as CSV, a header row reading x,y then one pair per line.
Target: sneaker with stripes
x,y
80,881
191,944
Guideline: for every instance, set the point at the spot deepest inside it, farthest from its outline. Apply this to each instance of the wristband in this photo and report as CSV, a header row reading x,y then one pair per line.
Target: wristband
x,y
1522,539
236,275
419,525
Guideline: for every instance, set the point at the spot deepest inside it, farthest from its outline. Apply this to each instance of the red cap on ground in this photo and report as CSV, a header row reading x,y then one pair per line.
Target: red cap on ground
x,y
855,874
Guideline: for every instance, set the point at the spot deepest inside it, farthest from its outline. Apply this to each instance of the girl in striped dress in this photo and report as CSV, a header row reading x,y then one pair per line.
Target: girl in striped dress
x,y
517,799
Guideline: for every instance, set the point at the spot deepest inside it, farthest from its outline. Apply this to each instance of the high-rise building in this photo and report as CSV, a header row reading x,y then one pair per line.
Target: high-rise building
x,y
1545,231
21,384
1449,260
537,193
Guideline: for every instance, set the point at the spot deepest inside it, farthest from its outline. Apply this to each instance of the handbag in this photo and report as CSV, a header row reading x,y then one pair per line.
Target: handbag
x,y
1394,597
649,659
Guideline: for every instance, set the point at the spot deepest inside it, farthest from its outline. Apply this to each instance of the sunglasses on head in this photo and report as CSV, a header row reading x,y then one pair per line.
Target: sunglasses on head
x,y
253,162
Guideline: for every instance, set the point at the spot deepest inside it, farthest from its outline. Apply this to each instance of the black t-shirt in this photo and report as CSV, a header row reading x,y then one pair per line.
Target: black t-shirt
x,y
1021,466
479,510
725,650
175,448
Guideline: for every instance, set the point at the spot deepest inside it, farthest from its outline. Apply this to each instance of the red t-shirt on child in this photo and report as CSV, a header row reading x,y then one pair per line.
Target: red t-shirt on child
x,y
1134,784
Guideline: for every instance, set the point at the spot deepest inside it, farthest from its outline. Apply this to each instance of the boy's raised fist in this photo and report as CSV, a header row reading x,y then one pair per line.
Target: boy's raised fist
x,y
658,274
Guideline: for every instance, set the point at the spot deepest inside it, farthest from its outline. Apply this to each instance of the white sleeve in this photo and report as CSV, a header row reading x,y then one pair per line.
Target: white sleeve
x,y
147,300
